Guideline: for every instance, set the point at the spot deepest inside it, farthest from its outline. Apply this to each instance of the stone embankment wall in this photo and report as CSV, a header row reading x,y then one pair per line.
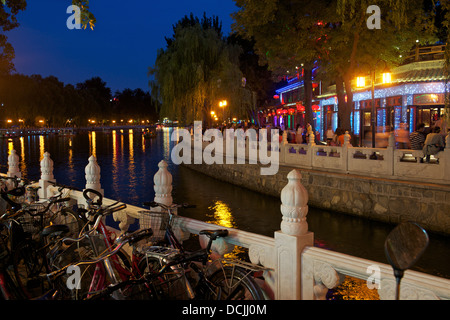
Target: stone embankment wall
x,y
378,199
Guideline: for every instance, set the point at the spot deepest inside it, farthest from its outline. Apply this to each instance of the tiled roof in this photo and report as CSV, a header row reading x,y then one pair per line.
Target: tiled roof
x,y
420,75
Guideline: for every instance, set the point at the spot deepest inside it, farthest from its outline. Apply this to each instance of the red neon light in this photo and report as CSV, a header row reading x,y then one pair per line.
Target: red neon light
x,y
315,107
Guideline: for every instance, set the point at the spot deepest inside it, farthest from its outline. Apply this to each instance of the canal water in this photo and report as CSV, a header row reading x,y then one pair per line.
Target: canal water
x,y
128,162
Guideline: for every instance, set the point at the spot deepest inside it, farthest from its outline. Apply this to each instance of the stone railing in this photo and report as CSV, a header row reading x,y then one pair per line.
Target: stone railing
x,y
297,269
389,162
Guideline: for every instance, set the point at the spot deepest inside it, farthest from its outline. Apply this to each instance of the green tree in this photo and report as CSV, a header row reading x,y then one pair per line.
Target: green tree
x,y
98,97
137,104
8,21
352,48
333,34
195,71
286,35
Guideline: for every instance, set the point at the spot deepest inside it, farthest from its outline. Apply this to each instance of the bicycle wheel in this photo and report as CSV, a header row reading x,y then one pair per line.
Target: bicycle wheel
x,y
235,284
69,218
170,285
29,261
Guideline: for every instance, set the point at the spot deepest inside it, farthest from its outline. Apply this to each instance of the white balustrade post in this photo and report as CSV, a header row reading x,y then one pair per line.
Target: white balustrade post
x,y
163,184
13,165
291,240
92,175
163,194
285,137
311,136
345,151
46,175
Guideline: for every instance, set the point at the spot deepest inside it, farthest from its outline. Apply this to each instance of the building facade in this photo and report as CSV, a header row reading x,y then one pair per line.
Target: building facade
x,y
415,94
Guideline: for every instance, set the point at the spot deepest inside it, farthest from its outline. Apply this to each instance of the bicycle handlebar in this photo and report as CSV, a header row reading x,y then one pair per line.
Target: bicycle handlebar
x,y
100,213
89,200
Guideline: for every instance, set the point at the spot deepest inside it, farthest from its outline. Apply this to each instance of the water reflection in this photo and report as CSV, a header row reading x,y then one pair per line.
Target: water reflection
x,y
221,214
115,165
23,167
41,146
93,143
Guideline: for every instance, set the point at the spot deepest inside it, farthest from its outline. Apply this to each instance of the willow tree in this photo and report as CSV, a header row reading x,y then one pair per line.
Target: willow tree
x,y
195,71
286,34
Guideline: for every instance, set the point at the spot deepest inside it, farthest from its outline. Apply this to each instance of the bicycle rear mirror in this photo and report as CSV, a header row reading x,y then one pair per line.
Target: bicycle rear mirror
x,y
405,244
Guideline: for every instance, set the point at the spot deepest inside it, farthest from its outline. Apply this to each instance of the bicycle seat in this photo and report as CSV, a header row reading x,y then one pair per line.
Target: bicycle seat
x,y
55,229
214,234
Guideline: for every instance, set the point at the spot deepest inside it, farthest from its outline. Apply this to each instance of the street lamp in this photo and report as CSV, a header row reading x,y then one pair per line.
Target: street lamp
x,y
223,104
360,82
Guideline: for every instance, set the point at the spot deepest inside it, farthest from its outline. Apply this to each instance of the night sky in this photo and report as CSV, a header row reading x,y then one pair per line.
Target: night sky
x,y
121,47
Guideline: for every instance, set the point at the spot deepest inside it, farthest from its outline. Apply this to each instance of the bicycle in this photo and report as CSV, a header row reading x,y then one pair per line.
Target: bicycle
x,y
94,242
36,252
108,291
221,279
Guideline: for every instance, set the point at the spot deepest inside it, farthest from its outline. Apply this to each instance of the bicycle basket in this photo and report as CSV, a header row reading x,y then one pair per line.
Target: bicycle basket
x,y
158,221
32,220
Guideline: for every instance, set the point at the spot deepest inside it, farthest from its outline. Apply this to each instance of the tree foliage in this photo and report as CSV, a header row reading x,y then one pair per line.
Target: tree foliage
x,y
334,34
31,98
195,71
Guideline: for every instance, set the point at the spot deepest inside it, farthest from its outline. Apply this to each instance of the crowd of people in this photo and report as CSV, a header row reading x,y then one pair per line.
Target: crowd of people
x,y
429,140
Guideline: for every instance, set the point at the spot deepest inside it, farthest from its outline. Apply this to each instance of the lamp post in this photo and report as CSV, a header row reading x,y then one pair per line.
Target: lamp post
x,y
223,104
360,82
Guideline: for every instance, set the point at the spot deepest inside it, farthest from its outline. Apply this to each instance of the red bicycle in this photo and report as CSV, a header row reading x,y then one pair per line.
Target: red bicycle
x,y
98,240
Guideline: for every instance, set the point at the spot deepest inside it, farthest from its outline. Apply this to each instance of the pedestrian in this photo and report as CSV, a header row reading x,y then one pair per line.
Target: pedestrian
x,y
402,137
434,143
299,134
417,138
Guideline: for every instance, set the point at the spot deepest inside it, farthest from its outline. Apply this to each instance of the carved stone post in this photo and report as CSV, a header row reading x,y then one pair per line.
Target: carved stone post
x,y
284,137
46,175
92,175
311,136
345,151
163,184
292,239
13,165
163,194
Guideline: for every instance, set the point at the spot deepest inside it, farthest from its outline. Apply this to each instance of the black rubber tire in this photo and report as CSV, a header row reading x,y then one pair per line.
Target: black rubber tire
x,y
242,287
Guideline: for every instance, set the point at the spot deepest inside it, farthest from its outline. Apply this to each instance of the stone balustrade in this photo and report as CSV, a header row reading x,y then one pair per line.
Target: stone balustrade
x,y
298,270
389,162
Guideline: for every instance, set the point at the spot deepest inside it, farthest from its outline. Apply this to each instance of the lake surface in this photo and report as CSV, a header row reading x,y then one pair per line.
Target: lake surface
x,y
128,163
